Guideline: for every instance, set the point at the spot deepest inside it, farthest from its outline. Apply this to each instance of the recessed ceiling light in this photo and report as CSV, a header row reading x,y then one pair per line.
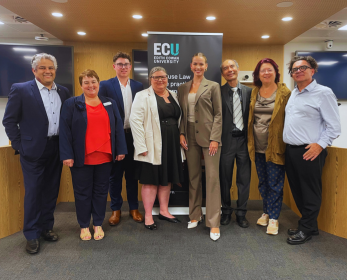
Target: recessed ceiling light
x,y
137,16
287,18
327,62
144,34
81,33
57,14
285,4
1,22
211,18
265,36
24,50
343,27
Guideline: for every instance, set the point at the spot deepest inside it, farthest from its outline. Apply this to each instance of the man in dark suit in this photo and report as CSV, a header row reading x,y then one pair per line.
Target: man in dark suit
x,y
235,107
31,122
122,89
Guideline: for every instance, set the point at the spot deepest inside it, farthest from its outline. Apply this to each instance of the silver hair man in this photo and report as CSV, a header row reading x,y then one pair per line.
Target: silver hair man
x,y
38,57
221,65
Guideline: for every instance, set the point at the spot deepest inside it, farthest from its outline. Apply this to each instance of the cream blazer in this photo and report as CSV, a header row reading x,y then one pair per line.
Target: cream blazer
x,y
145,126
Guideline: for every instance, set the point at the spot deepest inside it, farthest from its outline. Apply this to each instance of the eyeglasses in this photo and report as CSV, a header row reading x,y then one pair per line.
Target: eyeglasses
x,y
270,71
121,65
301,68
158,78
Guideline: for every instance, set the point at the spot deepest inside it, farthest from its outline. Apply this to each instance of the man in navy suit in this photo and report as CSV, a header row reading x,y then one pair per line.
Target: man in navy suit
x,y
122,89
31,122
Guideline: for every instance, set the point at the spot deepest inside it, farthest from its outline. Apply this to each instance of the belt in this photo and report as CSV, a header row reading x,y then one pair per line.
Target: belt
x,y
127,130
169,121
53,137
297,146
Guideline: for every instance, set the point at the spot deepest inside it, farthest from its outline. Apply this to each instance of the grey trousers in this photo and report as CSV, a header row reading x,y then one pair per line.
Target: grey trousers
x,y
238,150
213,199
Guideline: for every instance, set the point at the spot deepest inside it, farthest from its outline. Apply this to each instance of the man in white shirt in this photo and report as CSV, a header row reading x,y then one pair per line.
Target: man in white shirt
x,y
122,89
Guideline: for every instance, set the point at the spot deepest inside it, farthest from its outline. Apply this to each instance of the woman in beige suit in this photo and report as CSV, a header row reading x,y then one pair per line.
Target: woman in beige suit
x,y
200,133
154,120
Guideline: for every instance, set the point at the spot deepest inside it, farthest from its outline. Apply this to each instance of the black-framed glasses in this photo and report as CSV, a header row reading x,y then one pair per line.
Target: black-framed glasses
x,y
301,68
121,65
158,78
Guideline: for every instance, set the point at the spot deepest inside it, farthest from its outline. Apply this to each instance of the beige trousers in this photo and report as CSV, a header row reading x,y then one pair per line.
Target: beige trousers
x,y
213,196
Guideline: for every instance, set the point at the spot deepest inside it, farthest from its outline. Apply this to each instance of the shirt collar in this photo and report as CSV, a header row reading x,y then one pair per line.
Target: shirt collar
x,y
41,86
238,85
309,88
128,83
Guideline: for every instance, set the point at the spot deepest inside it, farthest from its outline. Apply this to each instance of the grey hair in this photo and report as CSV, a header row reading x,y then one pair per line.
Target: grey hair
x,y
221,65
37,58
155,69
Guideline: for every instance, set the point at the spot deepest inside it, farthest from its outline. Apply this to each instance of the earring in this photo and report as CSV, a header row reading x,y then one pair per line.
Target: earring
x,y
205,69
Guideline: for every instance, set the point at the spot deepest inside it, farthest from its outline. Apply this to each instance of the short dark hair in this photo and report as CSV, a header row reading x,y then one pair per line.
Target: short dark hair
x,y
88,73
121,55
256,80
313,63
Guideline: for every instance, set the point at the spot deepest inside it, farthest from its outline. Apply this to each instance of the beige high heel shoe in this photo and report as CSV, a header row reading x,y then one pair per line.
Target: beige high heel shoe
x,y
85,234
98,233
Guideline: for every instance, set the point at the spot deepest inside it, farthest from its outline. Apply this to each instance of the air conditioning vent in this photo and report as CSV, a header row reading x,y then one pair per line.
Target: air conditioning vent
x,y
332,24
20,19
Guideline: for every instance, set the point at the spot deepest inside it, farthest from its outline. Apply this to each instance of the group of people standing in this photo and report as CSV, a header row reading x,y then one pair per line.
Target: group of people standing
x,y
117,128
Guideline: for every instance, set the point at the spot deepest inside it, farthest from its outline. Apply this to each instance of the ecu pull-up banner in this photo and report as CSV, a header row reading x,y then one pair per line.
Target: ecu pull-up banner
x,y
174,51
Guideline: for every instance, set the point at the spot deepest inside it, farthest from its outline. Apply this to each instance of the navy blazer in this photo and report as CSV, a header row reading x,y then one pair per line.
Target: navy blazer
x,y
25,119
73,127
111,89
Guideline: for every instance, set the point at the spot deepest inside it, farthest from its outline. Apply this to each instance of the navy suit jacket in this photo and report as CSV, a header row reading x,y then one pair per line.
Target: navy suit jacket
x,y
73,127
111,89
25,119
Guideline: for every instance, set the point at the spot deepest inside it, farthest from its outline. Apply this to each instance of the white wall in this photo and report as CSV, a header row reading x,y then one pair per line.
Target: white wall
x,y
289,51
3,101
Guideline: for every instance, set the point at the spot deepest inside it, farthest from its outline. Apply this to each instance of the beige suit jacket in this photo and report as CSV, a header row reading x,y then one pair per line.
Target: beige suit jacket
x,y
208,112
145,126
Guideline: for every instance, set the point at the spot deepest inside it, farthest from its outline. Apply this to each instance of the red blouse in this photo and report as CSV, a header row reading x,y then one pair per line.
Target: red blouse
x,y
98,136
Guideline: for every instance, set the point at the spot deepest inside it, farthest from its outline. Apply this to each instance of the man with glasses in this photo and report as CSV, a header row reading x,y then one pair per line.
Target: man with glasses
x,y
235,106
122,89
312,122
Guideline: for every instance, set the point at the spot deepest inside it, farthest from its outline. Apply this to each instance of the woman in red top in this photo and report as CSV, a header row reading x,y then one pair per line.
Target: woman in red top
x,y
91,138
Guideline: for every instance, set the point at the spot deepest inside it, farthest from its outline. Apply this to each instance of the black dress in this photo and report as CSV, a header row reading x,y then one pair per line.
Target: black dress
x,y
170,170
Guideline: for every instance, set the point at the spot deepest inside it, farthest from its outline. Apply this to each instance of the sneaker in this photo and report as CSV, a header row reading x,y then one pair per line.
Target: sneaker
x,y
272,228
263,220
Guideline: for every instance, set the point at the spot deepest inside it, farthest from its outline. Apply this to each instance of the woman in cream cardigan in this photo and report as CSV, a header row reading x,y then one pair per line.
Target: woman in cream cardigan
x,y
154,120
265,139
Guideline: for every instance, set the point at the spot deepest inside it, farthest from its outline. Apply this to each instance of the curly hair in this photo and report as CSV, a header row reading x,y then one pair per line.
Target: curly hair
x,y
313,63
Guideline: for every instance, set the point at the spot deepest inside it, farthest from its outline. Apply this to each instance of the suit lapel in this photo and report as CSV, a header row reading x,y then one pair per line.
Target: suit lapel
x,y
109,109
278,101
84,112
116,86
202,88
243,96
133,89
226,97
153,105
38,98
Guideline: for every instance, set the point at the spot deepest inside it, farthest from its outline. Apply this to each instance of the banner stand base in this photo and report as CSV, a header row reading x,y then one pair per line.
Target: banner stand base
x,y
177,210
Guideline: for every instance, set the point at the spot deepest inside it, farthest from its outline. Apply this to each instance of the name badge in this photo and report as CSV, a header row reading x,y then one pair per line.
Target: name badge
x,y
107,103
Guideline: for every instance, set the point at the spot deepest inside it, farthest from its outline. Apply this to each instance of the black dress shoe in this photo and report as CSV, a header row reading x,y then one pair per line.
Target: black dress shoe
x,y
242,221
33,246
299,238
293,231
171,220
49,235
225,219
151,227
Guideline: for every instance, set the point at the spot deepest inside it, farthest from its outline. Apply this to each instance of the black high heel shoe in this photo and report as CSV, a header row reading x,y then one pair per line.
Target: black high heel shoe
x,y
171,220
151,227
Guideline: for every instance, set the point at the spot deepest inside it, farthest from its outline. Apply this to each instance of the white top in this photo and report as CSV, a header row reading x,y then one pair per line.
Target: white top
x,y
52,103
127,101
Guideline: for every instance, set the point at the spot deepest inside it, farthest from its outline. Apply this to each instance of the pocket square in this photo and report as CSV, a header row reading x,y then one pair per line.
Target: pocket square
x,y
107,103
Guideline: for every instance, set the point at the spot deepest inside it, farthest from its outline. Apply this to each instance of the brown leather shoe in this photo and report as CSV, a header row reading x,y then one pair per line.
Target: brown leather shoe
x,y
115,218
136,215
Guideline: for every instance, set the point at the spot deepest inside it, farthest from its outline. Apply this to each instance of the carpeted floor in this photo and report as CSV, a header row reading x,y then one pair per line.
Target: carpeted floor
x,y
129,251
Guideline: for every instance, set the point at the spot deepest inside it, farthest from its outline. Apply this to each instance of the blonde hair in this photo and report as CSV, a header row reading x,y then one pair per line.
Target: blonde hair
x,y
200,54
